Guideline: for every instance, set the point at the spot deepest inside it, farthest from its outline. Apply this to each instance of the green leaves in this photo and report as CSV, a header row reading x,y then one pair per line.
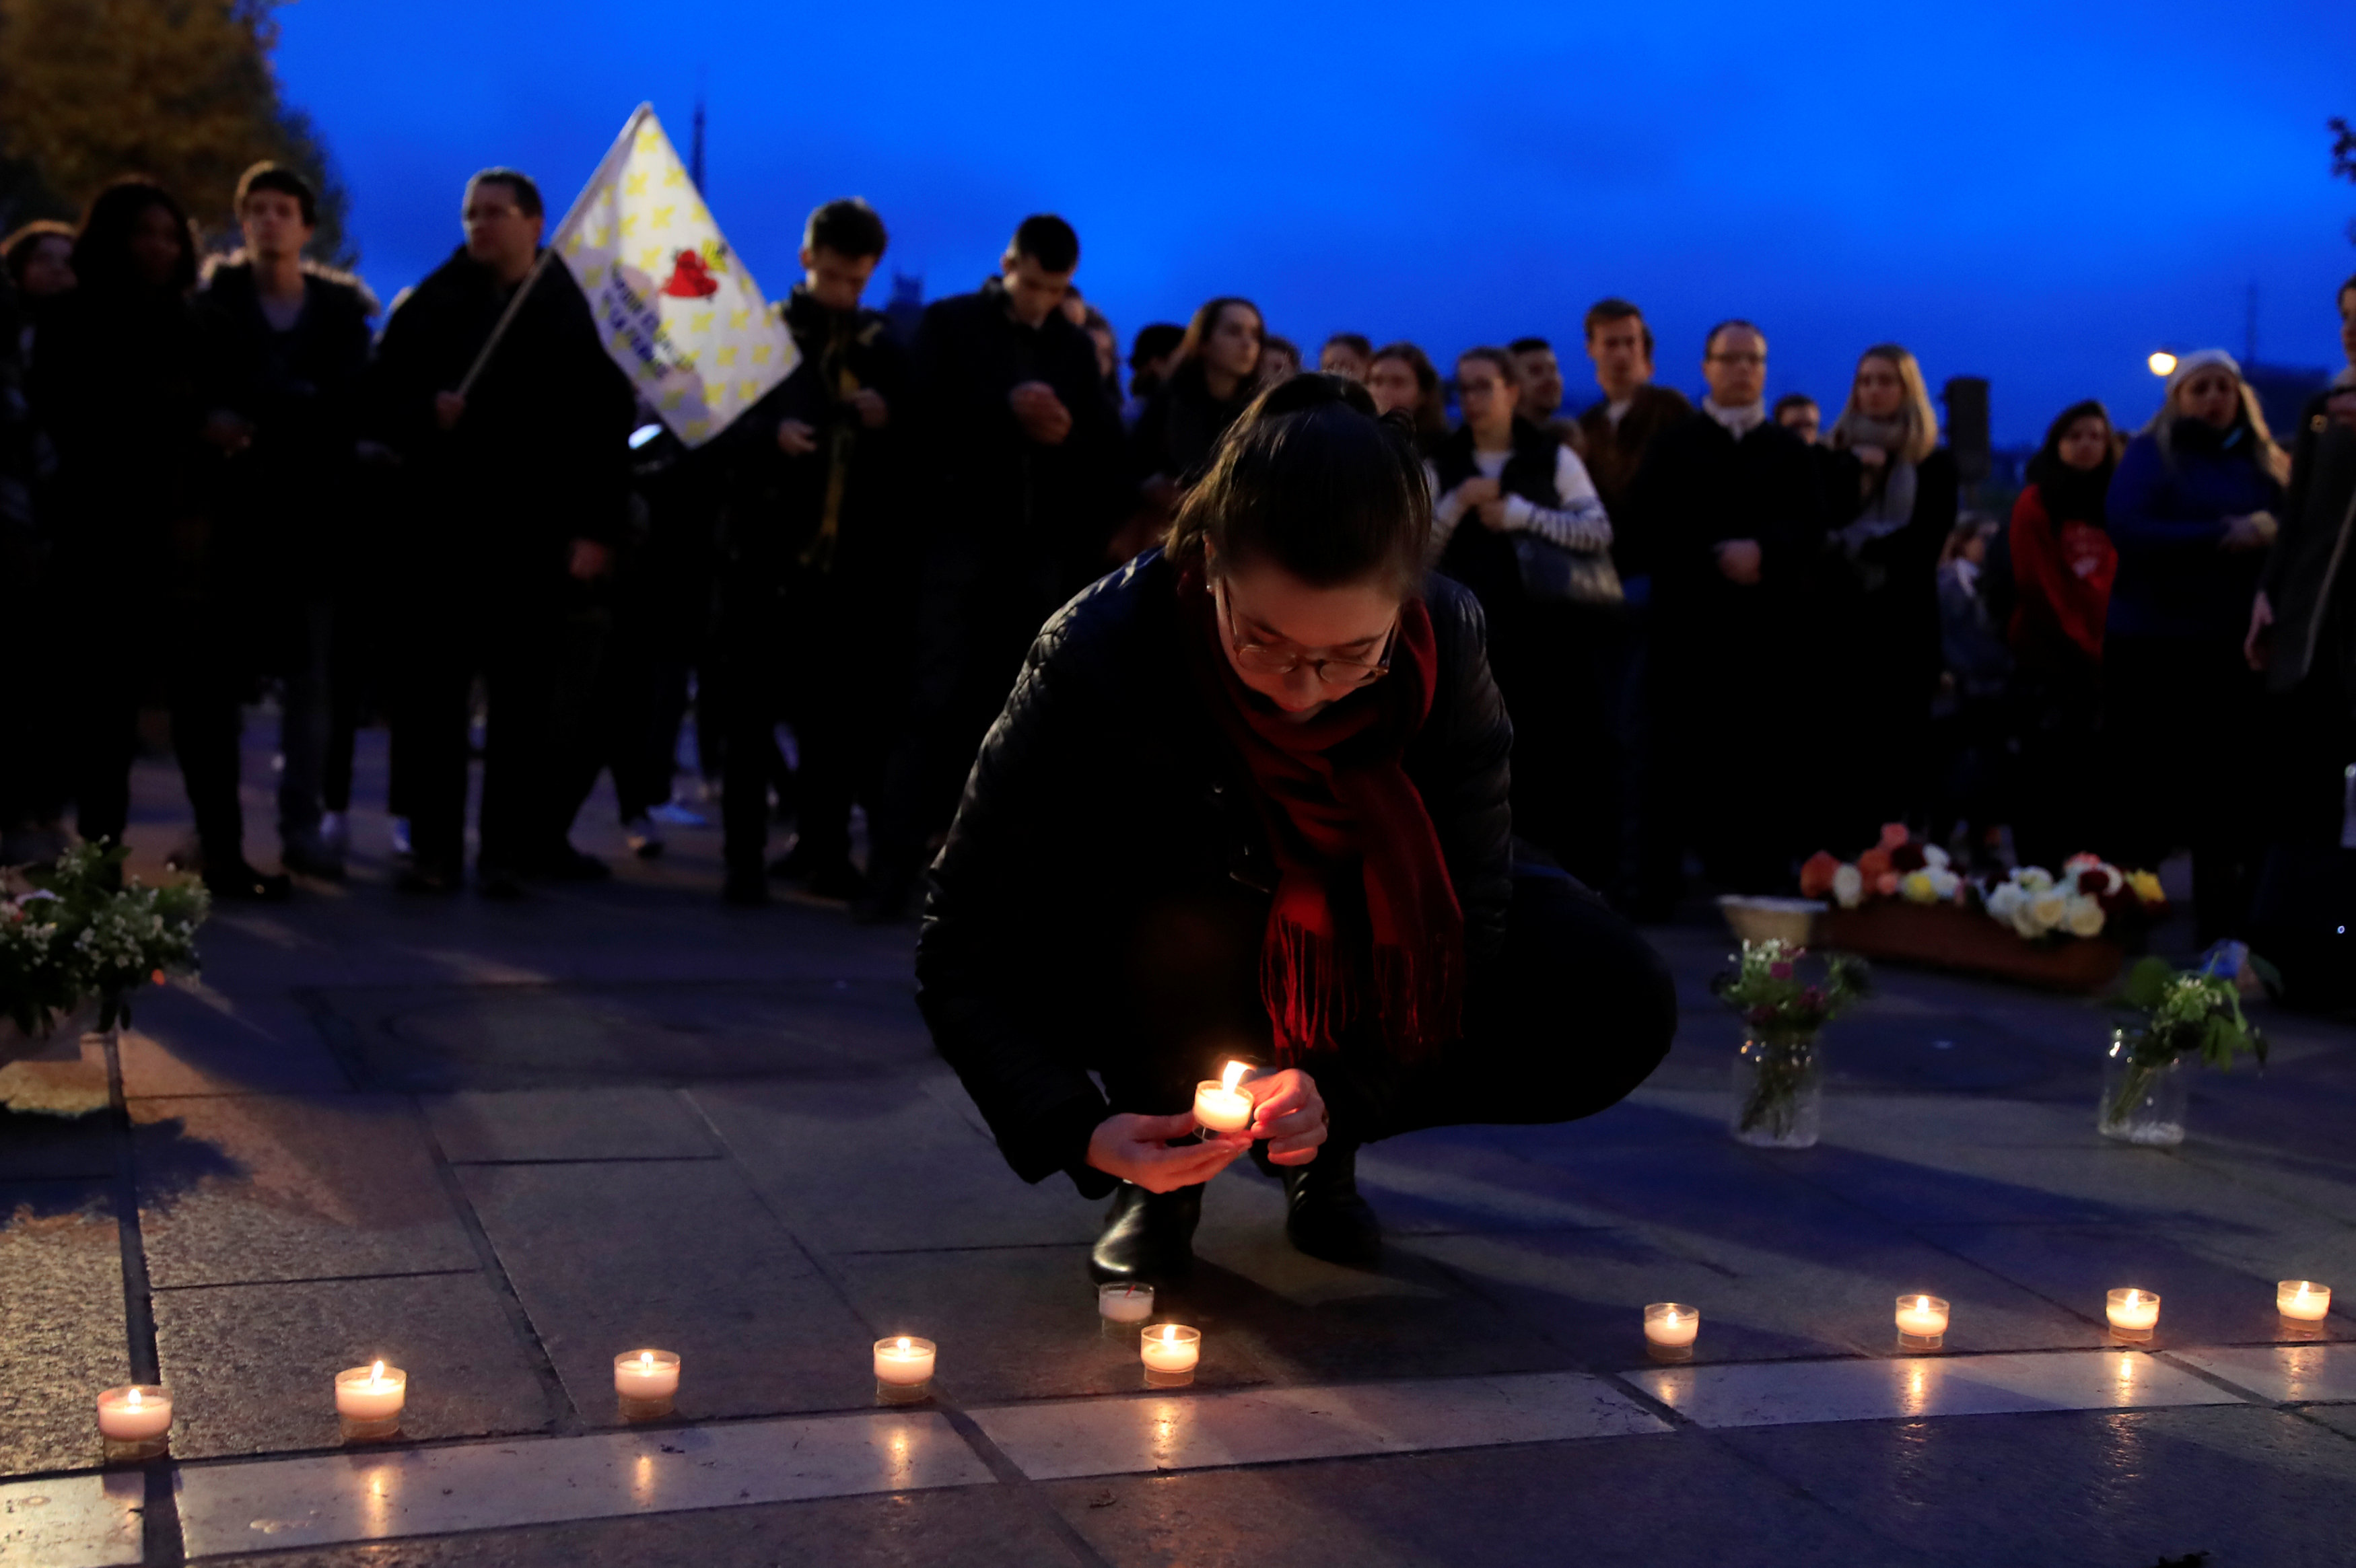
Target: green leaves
x,y
2179,1013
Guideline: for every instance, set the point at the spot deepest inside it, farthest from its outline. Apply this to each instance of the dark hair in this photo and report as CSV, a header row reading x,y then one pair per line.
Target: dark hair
x,y
1153,341
1793,401
849,227
2345,289
527,192
102,255
1048,241
2041,467
1709,343
1503,358
1310,478
1431,420
19,246
267,175
1357,343
1604,312
1271,343
1207,321
1528,346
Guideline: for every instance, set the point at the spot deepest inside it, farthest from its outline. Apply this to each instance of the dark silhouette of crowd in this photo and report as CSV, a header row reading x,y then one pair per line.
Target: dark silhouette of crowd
x,y
1728,632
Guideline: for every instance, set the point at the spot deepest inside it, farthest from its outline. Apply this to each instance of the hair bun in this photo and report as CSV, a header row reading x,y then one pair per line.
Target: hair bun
x,y
1316,389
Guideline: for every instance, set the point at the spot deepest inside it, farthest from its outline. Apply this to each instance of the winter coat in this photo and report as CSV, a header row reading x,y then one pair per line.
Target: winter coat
x,y
541,455
997,488
2063,563
1106,883
1878,605
2311,577
2167,513
1181,427
1615,452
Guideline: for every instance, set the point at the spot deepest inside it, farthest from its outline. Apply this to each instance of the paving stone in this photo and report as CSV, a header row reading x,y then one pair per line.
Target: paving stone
x,y
479,1486
1671,1501
2216,1282
2248,1485
521,1124
1776,1291
2340,1418
74,1521
2103,1182
62,1322
2293,1374
65,1077
1777,1394
679,1255
38,1147
200,1039
885,1166
248,1188
536,1036
982,1527
252,1367
2326,1186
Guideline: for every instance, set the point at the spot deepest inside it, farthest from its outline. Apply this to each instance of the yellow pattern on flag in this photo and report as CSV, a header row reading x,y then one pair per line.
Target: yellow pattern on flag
x,y
660,306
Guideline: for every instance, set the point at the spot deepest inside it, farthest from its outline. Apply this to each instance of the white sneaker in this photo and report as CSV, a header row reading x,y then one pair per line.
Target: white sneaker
x,y
645,839
401,836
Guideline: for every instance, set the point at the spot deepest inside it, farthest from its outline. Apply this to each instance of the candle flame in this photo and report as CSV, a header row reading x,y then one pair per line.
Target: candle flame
x,y
1169,1335
133,1400
646,1360
376,1373
1921,1304
1672,1318
904,1341
1233,1075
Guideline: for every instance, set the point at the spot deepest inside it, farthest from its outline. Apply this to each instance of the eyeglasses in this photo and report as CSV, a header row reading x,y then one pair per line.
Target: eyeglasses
x,y
1262,660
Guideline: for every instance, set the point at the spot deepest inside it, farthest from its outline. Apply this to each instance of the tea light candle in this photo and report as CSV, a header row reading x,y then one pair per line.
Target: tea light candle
x,y
904,1370
134,1417
1670,1328
1220,1106
647,1382
1125,1303
2132,1313
1921,1322
2303,1300
369,1399
1170,1353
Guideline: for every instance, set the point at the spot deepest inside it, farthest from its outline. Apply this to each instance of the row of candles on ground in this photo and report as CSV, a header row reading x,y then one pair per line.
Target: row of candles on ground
x,y
134,1419
1671,1327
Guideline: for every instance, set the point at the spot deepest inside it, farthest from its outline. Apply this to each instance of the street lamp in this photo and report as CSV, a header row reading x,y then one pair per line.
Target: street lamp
x,y
2162,362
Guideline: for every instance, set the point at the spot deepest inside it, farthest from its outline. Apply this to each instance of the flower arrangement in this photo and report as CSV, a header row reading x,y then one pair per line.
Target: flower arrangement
x,y
1898,866
1784,1007
77,933
2088,895
2173,1014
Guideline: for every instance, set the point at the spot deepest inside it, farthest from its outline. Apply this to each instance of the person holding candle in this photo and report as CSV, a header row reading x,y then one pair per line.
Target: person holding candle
x,y
1249,800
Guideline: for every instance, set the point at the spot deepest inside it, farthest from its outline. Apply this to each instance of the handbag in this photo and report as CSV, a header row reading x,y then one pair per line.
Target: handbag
x,y
1553,575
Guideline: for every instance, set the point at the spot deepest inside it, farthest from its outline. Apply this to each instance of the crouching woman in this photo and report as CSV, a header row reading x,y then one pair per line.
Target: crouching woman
x,y
1247,801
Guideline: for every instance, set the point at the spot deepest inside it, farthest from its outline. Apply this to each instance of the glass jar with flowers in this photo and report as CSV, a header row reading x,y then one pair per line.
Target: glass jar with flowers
x,y
1785,999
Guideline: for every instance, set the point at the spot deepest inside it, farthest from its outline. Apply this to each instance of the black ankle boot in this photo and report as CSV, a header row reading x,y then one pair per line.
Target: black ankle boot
x,y
1149,1237
1324,1216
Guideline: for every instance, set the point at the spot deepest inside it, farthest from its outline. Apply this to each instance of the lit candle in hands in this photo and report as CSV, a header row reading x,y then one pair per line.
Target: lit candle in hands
x,y
1220,1105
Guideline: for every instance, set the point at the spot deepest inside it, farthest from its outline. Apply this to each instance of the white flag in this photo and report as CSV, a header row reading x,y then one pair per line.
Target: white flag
x,y
677,309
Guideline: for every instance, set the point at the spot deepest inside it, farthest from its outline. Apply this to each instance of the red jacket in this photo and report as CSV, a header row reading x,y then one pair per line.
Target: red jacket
x,y
2065,574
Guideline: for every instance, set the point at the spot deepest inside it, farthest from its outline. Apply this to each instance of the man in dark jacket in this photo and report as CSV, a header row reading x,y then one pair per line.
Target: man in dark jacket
x,y
519,488
288,342
1730,503
1024,444
1618,430
808,545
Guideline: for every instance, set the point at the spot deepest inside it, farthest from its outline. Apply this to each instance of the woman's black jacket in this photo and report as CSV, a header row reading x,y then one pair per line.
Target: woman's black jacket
x,y
1101,899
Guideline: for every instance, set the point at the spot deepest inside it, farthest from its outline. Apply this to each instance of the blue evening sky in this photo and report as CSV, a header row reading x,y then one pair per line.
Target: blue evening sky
x,y
2039,195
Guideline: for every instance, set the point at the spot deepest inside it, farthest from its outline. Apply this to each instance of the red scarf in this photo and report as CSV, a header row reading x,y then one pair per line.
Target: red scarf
x,y
2065,568
1337,804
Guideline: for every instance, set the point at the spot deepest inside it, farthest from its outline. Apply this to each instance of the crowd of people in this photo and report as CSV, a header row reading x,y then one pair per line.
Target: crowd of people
x,y
1728,632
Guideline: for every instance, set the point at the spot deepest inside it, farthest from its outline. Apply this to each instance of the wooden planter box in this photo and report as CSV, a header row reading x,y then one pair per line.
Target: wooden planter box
x,y
1953,936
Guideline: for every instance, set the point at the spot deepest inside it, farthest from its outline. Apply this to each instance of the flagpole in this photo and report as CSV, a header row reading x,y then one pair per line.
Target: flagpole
x,y
499,330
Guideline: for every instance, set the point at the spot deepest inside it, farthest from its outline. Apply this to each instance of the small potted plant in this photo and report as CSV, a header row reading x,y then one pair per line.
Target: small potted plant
x,y
1785,999
2173,1016
76,938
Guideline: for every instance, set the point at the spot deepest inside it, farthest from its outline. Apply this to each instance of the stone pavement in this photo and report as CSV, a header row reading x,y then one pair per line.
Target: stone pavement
x,y
496,1143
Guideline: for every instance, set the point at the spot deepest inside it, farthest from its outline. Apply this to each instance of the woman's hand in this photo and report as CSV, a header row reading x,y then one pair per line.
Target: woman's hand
x,y
1476,491
2256,532
1289,1111
1136,1149
2259,643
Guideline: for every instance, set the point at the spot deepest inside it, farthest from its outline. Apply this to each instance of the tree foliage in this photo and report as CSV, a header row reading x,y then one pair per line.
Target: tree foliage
x,y
180,90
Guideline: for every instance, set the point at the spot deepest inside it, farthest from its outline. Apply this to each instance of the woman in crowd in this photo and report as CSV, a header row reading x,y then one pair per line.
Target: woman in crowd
x,y
117,384
1517,521
1402,380
1212,381
1248,801
1893,508
2062,563
1347,354
1969,715
1280,361
2193,508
